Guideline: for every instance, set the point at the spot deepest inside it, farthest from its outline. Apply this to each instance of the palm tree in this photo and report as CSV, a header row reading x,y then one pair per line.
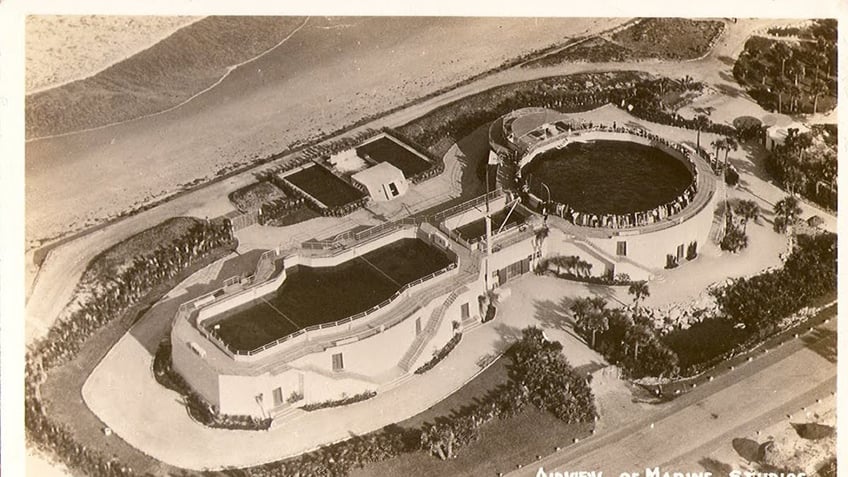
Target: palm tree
x,y
786,212
701,122
730,144
818,88
746,210
781,52
718,145
597,321
779,87
639,290
638,335
580,309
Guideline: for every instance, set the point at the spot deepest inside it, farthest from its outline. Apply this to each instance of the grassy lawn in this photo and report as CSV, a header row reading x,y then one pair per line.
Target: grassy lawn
x,y
497,450
704,341
109,262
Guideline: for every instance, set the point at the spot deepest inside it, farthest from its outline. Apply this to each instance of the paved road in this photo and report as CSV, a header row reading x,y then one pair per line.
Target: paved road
x,y
690,428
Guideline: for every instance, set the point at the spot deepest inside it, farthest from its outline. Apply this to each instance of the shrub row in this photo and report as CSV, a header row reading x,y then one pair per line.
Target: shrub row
x,y
65,339
565,94
363,396
440,355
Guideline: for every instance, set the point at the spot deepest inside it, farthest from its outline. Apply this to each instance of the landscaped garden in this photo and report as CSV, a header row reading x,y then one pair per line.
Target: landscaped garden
x,y
795,74
750,311
255,195
806,163
649,38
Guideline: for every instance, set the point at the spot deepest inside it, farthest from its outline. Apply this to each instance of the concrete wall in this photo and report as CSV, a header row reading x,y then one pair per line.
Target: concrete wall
x,y
374,355
474,213
453,314
196,370
240,298
646,252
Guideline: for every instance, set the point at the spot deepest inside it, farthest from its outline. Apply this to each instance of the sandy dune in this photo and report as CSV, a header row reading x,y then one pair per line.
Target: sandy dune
x,y
65,48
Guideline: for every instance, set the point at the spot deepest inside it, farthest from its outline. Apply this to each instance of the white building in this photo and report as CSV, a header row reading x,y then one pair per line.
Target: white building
x,y
383,181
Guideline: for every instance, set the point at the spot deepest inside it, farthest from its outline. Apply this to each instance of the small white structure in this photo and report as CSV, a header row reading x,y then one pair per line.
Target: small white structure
x,y
383,182
776,135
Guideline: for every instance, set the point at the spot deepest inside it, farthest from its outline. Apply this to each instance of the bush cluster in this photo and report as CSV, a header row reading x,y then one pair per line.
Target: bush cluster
x,y
760,302
440,355
365,395
276,211
631,342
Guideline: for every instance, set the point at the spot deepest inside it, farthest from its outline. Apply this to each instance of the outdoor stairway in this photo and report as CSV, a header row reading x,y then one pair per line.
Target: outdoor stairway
x,y
471,323
427,333
285,413
265,268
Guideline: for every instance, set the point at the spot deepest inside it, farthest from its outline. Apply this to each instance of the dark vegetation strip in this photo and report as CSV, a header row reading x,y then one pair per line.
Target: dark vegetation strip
x,y
442,354
116,303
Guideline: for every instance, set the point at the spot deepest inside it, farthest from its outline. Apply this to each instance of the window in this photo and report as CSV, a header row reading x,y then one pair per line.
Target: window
x,y
418,326
464,310
393,189
338,362
278,397
621,249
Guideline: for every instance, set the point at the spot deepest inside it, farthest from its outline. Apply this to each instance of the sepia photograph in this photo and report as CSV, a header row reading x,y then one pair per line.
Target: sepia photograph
x,y
383,244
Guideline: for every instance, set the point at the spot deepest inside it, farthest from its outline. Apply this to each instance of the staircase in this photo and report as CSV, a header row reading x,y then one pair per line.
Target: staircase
x,y
427,333
471,323
265,268
284,414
